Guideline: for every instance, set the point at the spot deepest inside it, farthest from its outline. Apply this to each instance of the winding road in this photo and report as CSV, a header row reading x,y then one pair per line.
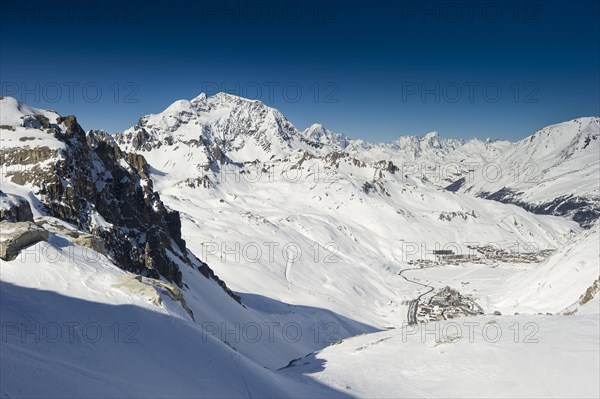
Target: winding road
x,y
414,304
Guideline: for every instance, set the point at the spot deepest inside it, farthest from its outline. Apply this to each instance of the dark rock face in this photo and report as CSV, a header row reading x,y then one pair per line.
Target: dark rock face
x,y
106,192
174,226
387,166
92,184
14,208
454,187
375,186
582,210
208,273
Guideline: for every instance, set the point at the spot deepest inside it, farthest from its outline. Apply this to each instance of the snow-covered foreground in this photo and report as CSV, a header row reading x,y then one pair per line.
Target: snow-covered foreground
x,y
74,325
77,326
505,356
73,328
520,355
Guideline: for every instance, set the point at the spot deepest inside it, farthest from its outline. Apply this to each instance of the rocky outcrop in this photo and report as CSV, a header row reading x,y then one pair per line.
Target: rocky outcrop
x,y
208,273
375,186
14,208
87,240
196,182
16,236
87,181
152,288
107,193
454,187
590,293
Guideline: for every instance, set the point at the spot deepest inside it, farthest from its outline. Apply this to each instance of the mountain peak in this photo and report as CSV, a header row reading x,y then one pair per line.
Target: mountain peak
x,y
224,97
316,126
178,107
317,132
200,97
431,136
237,126
13,112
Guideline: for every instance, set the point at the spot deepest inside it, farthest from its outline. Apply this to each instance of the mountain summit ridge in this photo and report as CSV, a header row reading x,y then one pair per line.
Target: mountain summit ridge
x,y
212,131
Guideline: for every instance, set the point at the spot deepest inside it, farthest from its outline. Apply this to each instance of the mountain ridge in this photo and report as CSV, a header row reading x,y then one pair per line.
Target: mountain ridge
x,y
225,129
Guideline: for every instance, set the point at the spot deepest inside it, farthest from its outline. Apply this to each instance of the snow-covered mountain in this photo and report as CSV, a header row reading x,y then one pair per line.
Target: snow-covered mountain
x,y
357,205
317,132
537,173
317,240
554,171
207,132
85,179
88,195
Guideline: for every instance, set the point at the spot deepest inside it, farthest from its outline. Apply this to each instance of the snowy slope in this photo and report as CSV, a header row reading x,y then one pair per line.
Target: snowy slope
x,y
115,201
557,154
75,326
311,231
554,171
558,282
353,223
487,357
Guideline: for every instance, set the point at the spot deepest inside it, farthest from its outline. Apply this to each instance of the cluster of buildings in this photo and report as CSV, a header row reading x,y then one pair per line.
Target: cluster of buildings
x,y
486,254
447,303
532,255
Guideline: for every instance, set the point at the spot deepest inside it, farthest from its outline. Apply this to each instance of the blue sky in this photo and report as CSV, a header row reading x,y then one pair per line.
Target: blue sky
x,y
372,70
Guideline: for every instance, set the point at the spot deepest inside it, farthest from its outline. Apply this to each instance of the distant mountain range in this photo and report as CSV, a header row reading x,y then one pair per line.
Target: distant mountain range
x,y
554,171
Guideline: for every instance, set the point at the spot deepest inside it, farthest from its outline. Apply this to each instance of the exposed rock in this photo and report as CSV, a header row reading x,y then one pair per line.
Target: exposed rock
x,y
55,225
448,216
87,181
208,273
375,186
174,225
582,210
196,182
454,187
92,242
151,289
77,237
97,188
387,166
590,292
14,208
16,236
